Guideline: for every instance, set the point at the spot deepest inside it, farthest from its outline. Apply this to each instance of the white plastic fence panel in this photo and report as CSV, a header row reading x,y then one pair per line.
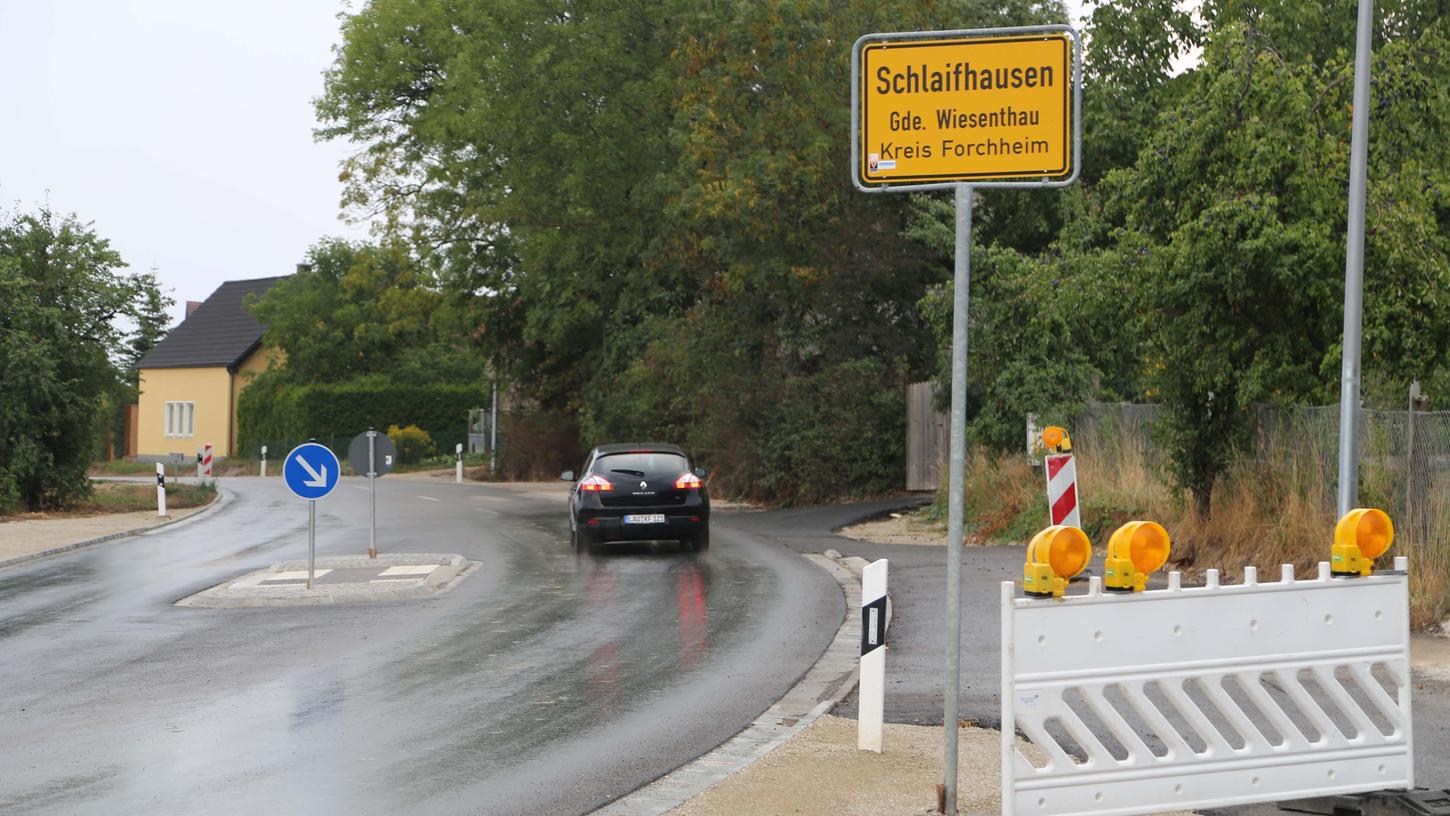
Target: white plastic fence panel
x,y
1187,698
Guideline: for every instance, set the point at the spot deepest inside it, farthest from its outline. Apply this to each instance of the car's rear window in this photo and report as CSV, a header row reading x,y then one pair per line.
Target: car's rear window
x,y
642,464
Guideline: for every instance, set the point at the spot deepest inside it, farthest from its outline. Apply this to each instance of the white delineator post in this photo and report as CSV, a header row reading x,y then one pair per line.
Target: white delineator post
x,y
458,472
1062,489
871,708
264,461
160,489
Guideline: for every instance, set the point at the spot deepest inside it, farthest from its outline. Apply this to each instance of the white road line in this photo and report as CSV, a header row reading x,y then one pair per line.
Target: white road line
x,y
486,510
429,498
360,487
294,575
408,569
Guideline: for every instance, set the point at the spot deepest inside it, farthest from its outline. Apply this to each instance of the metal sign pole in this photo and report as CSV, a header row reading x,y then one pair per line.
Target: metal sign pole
x,y
1354,268
372,493
311,540
961,287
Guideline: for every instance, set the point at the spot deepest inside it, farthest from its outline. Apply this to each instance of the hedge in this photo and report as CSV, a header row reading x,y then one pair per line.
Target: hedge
x,y
273,411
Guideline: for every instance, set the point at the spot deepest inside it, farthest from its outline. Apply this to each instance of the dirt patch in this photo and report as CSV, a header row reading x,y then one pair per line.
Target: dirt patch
x,y
906,527
819,772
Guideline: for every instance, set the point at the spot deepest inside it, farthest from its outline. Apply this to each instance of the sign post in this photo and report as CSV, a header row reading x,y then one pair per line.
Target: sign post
x,y
372,454
311,472
957,110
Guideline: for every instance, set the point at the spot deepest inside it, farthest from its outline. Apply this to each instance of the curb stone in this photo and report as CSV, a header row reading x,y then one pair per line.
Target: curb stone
x,y
223,497
827,682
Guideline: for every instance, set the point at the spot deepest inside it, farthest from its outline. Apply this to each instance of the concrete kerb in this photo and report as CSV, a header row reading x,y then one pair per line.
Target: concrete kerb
x,y
248,592
224,497
824,685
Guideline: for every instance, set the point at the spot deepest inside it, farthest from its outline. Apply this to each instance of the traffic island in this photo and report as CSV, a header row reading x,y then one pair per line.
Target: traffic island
x,y
338,580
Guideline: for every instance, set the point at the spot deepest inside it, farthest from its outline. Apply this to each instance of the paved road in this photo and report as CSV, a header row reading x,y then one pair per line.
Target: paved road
x,y
915,662
542,684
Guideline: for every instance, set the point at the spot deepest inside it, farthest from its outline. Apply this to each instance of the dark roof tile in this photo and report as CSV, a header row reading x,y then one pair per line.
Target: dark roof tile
x,y
219,333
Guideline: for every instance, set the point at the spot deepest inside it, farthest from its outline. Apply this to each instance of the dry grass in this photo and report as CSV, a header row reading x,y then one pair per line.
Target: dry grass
x,y
1275,509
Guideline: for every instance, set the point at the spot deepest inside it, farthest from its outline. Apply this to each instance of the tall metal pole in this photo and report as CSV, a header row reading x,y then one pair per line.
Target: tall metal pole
x,y
958,467
311,540
372,493
1354,267
493,431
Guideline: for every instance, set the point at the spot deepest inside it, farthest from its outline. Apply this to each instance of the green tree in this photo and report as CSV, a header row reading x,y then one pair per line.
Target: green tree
x,y
363,309
61,297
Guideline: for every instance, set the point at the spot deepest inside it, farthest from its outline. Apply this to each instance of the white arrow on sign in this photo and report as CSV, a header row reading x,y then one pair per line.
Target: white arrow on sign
x,y
318,480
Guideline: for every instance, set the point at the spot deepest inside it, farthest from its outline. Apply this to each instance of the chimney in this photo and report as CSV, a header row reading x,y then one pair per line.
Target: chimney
x,y
191,306
304,268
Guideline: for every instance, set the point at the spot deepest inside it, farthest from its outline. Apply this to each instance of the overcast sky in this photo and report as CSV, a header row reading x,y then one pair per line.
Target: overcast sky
x,y
181,128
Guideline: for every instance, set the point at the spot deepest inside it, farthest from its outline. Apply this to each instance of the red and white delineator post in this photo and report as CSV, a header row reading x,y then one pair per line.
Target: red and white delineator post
x,y
871,704
203,462
1061,471
1062,490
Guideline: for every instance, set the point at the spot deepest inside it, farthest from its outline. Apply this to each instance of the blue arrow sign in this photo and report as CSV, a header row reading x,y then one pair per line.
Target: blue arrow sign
x,y
311,470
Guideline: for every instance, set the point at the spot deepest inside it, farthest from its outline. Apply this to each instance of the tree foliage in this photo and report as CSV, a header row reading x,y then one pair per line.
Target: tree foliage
x,y
63,300
1202,264
650,209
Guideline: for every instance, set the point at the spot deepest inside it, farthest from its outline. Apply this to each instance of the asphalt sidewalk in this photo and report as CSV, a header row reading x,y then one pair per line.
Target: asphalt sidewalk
x,y
27,538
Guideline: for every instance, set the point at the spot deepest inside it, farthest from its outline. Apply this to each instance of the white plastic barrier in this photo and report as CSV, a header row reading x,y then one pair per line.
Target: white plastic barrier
x,y
1199,697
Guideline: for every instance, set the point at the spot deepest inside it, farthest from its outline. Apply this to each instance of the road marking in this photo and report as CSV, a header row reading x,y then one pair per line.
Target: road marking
x,y
408,569
429,498
486,510
398,580
294,575
360,487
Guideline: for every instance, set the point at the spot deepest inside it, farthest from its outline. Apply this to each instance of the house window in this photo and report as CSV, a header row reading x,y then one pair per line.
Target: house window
x,y
180,418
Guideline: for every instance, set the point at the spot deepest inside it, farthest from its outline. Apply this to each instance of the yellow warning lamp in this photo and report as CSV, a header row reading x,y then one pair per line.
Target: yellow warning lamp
x,y
1135,550
1056,440
1359,538
1053,556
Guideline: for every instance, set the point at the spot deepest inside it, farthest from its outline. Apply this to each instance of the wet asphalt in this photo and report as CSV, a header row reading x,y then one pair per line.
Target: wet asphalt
x,y
544,683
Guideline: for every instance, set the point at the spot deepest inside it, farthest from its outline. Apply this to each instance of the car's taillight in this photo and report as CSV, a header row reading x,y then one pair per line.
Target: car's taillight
x,y
595,484
689,481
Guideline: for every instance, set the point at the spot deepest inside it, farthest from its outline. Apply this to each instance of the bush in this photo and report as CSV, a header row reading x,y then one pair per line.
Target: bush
x,y
413,444
271,409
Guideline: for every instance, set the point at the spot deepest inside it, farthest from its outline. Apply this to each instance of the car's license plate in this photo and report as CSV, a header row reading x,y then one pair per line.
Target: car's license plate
x,y
648,518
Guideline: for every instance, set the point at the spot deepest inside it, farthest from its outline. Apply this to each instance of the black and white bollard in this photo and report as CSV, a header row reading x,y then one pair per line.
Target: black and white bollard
x,y
160,490
264,461
872,706
458,473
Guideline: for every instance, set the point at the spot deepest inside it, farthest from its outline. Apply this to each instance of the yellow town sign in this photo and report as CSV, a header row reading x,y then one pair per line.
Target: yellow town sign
x,y
963,109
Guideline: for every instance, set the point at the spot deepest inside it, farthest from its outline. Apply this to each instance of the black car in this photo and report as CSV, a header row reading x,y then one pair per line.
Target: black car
x,y
641,492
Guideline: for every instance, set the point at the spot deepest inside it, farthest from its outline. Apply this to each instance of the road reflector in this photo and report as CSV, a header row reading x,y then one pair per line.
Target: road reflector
x,y
1360,537
1135,550
1053,557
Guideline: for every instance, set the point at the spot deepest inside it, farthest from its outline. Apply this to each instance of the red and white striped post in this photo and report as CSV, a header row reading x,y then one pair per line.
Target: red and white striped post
x,y
1061,471
203,463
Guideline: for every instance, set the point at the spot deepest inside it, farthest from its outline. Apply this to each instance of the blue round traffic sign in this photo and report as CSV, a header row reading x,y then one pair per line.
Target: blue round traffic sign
x,y
311,470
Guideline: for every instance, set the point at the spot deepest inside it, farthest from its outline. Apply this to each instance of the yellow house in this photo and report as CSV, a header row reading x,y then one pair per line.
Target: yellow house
x,y
191,380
